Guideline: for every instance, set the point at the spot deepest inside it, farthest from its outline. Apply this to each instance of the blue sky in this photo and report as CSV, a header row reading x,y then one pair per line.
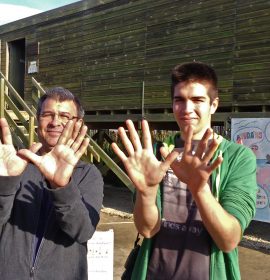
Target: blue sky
x,y
11,10
42,5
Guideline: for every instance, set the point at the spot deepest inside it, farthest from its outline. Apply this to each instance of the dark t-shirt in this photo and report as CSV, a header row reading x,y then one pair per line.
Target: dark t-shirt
x,y
182,246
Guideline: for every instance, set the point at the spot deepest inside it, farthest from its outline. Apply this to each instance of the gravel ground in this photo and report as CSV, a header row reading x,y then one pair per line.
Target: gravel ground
x,y
257,237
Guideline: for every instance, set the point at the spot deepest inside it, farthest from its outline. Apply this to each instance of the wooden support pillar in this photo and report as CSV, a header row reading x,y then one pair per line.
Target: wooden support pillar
x,y
31,130
2,98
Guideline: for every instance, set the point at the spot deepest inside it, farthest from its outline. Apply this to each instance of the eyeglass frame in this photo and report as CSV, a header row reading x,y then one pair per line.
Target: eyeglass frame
x,y
51,116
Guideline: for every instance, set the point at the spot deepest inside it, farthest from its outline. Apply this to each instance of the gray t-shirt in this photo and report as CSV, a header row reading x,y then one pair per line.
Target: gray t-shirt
x,y
182,246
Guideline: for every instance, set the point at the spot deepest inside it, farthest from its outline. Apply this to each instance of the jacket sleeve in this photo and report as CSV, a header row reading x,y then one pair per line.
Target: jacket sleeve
x,y
77,205
8,189
239,186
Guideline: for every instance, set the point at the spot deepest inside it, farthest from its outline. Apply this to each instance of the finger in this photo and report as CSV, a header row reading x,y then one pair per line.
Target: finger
x,y
80,138
171,157
164,151
77,128
78,125
203,143
82,148
29,155
125,140
188,140
147,139
134,137
66,133
6,134
119,152
216,163
35,147
211,150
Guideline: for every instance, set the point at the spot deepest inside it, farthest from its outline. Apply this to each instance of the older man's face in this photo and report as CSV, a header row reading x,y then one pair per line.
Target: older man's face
x,y
53,117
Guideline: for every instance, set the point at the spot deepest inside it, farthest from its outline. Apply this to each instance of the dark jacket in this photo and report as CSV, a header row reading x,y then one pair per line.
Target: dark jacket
x,y
70,220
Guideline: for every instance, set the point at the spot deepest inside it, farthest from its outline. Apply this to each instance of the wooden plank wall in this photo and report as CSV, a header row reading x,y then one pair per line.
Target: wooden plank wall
x,y
104,53
252,53
197,30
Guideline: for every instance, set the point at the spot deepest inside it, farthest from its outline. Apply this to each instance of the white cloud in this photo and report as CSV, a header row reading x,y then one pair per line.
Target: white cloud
x,y
9,13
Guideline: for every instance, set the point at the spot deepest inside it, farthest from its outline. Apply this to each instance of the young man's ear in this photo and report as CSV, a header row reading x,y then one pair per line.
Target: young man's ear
x,y
214,105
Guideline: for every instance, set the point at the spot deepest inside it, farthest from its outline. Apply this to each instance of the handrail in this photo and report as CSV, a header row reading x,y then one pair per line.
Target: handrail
x,y
112,165
18,134
2,98
7,103
37,85
16,95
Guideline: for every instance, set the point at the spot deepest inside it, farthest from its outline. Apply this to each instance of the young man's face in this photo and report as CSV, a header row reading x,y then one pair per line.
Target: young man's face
x,y
53,117
192,107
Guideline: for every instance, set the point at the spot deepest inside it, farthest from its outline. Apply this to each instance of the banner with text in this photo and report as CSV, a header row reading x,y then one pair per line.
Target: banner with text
x,y
255,134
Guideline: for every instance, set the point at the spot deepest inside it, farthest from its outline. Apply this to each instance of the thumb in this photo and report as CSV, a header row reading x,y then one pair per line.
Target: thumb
x,y
35,147
164,151
29,155
169,157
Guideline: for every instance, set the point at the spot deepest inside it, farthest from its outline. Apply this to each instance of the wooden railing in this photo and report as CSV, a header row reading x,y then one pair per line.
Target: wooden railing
x,y
23,123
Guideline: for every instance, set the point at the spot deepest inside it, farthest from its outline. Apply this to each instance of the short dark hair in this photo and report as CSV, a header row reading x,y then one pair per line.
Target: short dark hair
x,y
195,72
61,94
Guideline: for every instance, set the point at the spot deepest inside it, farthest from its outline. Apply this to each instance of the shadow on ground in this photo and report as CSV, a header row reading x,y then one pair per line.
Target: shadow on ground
x,y
118,198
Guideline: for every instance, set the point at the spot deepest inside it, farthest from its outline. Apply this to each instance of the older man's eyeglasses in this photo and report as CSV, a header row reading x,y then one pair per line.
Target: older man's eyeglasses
x,y
63,117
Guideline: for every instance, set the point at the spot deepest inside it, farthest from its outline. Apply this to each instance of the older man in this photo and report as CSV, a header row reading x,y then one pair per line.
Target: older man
x,y
49,207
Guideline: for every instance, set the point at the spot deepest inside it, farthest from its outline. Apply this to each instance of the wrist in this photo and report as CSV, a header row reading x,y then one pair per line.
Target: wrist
x,y
56,186
200,191
147,197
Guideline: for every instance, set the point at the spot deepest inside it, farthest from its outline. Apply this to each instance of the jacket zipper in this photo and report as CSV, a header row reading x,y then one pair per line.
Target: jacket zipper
x,y
32,270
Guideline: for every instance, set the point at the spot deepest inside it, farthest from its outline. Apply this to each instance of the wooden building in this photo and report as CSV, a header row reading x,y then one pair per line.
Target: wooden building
x,y
116,55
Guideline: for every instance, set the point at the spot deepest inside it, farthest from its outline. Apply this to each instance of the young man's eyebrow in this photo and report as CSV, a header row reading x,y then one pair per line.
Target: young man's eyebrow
x,y
178,97
199,97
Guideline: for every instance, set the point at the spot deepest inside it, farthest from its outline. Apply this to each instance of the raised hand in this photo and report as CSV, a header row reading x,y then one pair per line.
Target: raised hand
x,y
10,163
57,166
194,167
142,166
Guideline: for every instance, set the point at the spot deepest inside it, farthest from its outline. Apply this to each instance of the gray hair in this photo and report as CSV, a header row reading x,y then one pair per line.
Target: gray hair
x,y
61,94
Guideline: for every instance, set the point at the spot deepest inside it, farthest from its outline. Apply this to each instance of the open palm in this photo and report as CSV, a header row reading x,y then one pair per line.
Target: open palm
x,y
144,169
141,164
57,166
10,163
195,168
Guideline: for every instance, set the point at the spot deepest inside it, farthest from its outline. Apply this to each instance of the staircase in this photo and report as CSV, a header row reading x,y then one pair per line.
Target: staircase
x,y
23,124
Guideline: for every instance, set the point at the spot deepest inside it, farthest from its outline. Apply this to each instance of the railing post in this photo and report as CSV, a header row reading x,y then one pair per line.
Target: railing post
x,y
2,98
31,130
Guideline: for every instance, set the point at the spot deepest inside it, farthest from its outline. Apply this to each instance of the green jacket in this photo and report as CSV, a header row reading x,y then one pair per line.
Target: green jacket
x,y
234,186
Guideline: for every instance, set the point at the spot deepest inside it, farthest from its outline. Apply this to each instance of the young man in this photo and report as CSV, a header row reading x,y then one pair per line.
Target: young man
x,y
48,208
193,207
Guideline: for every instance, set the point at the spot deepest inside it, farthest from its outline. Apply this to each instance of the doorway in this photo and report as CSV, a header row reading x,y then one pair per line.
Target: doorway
x,y
17,66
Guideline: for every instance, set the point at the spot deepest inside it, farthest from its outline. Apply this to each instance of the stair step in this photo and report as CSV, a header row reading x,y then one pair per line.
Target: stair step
x,y
14,116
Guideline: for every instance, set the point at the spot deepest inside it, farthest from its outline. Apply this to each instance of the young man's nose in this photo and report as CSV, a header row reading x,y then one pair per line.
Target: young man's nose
x,y
188,106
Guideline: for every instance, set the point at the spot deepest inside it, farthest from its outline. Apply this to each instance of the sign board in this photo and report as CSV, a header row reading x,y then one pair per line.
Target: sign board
x,y
255,134
32,67
100,255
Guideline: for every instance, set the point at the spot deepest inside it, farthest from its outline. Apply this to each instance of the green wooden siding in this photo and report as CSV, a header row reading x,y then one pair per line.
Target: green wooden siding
x,y
103,52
